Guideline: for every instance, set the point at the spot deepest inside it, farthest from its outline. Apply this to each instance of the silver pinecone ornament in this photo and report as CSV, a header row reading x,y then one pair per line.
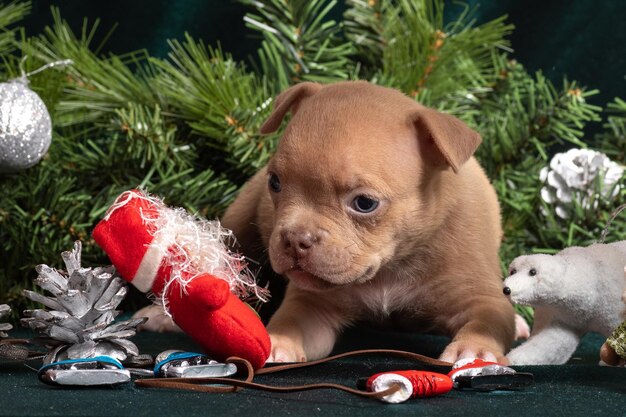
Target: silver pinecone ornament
x,y
4,327
13,349
79,322
579,175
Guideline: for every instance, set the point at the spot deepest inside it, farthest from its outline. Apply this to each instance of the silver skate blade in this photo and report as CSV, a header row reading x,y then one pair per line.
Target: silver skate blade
x,y
85,377
213,370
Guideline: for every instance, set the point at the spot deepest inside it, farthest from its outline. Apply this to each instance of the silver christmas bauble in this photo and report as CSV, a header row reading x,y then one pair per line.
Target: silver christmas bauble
x,y
25,126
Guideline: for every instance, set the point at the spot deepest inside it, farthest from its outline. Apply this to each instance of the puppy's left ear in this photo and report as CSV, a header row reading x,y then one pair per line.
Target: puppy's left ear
x,y
452,138
287,101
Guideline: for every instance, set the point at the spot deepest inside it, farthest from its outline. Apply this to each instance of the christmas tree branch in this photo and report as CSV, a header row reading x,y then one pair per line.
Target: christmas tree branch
x,y
300,42
96,86
613,140
222,103
363,25
12,13
424,53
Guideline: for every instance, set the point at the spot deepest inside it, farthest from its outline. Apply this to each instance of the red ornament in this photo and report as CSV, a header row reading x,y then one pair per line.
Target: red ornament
x,y
156,248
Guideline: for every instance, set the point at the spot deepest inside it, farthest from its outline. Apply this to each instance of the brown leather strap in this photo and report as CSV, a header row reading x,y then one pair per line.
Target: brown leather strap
x,y
193,384
196,384
371,352
231,384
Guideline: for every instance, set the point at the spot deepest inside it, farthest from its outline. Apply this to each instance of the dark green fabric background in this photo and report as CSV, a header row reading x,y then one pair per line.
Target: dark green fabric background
x,y
581,38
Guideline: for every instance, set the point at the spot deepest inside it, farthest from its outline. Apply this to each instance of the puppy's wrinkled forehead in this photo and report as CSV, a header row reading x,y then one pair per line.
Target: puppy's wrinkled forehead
x,y
352,133
347,112
375,126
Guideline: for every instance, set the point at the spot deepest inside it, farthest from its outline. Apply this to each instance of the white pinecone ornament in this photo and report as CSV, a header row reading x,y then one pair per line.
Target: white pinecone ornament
x,y
579,175
79,322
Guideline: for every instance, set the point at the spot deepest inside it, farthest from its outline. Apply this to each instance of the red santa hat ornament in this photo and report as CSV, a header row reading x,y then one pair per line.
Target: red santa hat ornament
x,y
184,261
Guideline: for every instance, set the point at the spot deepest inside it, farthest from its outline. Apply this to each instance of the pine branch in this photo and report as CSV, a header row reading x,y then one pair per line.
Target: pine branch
x,y
423,53
217,83
204,192
613,140
11,14
219,99
300,42
519,115
40,213
96,87
150,139
363,25
583,228
587,222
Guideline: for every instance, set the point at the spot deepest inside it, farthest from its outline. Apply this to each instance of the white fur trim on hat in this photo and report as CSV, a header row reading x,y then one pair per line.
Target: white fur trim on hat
x,y
151,262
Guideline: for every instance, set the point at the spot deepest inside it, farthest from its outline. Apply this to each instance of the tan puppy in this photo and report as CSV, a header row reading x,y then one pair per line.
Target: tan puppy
x,y
374,209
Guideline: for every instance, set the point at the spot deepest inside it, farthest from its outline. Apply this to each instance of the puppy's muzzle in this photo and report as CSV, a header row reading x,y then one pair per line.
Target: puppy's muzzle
x,y
299,244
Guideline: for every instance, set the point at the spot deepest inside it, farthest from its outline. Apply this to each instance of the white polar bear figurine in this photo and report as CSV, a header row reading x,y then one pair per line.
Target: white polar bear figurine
x,y
575,291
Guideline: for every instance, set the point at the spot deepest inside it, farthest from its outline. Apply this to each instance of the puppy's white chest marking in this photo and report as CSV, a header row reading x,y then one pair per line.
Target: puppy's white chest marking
x,y
385,302
386,296
381,302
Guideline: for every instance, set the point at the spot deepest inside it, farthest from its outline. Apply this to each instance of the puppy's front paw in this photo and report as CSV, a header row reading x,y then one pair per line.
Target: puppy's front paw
x,y
470,350
522,329
284,349
158,321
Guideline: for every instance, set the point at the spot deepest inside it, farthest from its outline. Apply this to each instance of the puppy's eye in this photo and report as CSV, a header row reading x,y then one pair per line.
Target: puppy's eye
x,y
513,271
532,272
274,183
364,204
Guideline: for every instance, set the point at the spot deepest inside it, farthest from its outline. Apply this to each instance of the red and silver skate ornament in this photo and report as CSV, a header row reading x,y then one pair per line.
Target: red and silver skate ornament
x,y
481,375
411,384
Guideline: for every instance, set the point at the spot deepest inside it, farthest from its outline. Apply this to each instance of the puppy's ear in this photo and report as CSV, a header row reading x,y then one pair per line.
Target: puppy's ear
x,y
452,139
286,101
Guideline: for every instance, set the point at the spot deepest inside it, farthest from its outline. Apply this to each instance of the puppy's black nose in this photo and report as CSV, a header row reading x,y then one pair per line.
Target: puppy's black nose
x,y
506,291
